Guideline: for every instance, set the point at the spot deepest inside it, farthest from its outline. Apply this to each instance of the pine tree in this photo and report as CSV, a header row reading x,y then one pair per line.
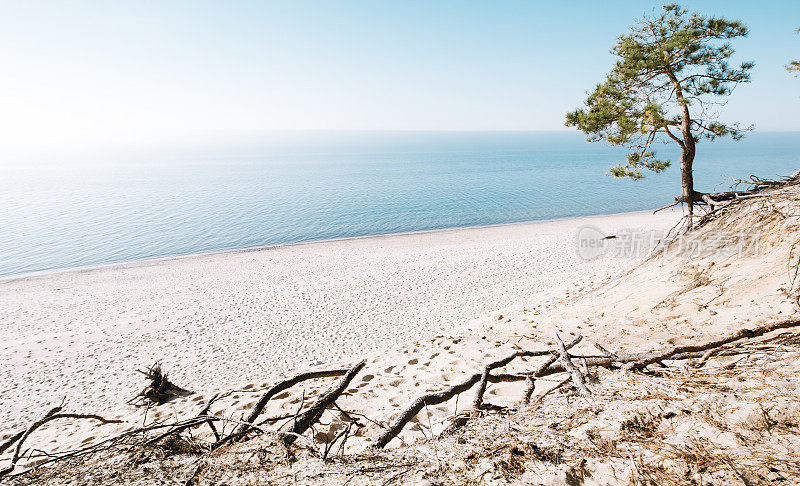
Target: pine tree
x,y
671,71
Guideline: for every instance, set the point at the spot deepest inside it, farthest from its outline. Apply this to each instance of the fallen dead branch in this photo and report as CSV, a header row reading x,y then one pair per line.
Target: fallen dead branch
x,y
202,416
557,361
482,378
578,378
11,440
553,388
310,416
485,375
270,393
107,443
442,396
540,371
794,272
52,414
417,405
642,360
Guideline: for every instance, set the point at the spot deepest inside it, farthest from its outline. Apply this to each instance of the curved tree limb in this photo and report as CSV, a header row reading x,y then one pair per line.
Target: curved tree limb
x,y
542,369
310,416
53,414
578,378
442,396
478,400
638,361
270,393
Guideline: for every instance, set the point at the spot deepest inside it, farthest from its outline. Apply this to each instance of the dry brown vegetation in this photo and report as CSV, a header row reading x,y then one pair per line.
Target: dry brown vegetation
x,y
733,420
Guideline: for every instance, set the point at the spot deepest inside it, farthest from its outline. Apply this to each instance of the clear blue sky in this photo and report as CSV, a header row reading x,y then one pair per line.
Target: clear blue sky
x,y
97,73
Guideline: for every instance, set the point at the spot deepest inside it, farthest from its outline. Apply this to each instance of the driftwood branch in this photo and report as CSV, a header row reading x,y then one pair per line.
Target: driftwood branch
x,y
442,396
578,378
417,405
554,388
642,360
315,411
542,369
107,443
200,418
53,414
160,390
25,435
272,392
559,361
10,441
478,400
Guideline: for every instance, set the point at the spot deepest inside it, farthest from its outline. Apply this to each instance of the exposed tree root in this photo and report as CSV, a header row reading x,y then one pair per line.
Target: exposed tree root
x,y
310,416
51,415
578,378
541,370
642,360
270,393
160,390
559,361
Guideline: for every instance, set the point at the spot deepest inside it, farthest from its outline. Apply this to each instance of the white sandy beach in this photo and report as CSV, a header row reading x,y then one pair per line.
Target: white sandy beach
x,y
236,317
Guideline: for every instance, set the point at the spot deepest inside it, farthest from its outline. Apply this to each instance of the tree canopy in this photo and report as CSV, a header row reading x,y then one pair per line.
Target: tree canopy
x,y
794,65
665,86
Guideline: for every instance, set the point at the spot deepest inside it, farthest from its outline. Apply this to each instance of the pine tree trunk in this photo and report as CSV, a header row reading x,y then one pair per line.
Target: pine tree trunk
x,y
688,195
687,181
687,158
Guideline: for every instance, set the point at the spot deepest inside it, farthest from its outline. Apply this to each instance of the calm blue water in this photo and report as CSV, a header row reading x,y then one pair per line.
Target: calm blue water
x,y
117,208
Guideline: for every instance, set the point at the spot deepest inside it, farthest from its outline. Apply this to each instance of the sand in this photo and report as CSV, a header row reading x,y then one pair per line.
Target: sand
x,y
426,311
223,319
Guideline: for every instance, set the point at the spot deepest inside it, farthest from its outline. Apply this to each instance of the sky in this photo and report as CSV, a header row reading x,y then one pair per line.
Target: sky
x,y
96,74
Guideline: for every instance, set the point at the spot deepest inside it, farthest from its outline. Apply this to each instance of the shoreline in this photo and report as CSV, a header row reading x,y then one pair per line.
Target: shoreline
x,y
167,258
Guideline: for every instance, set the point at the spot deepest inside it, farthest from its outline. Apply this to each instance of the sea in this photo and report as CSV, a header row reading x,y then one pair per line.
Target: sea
x,y
64,211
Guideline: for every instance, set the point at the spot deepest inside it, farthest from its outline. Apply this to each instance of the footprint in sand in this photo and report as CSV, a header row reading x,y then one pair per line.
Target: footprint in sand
x,y
365,381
